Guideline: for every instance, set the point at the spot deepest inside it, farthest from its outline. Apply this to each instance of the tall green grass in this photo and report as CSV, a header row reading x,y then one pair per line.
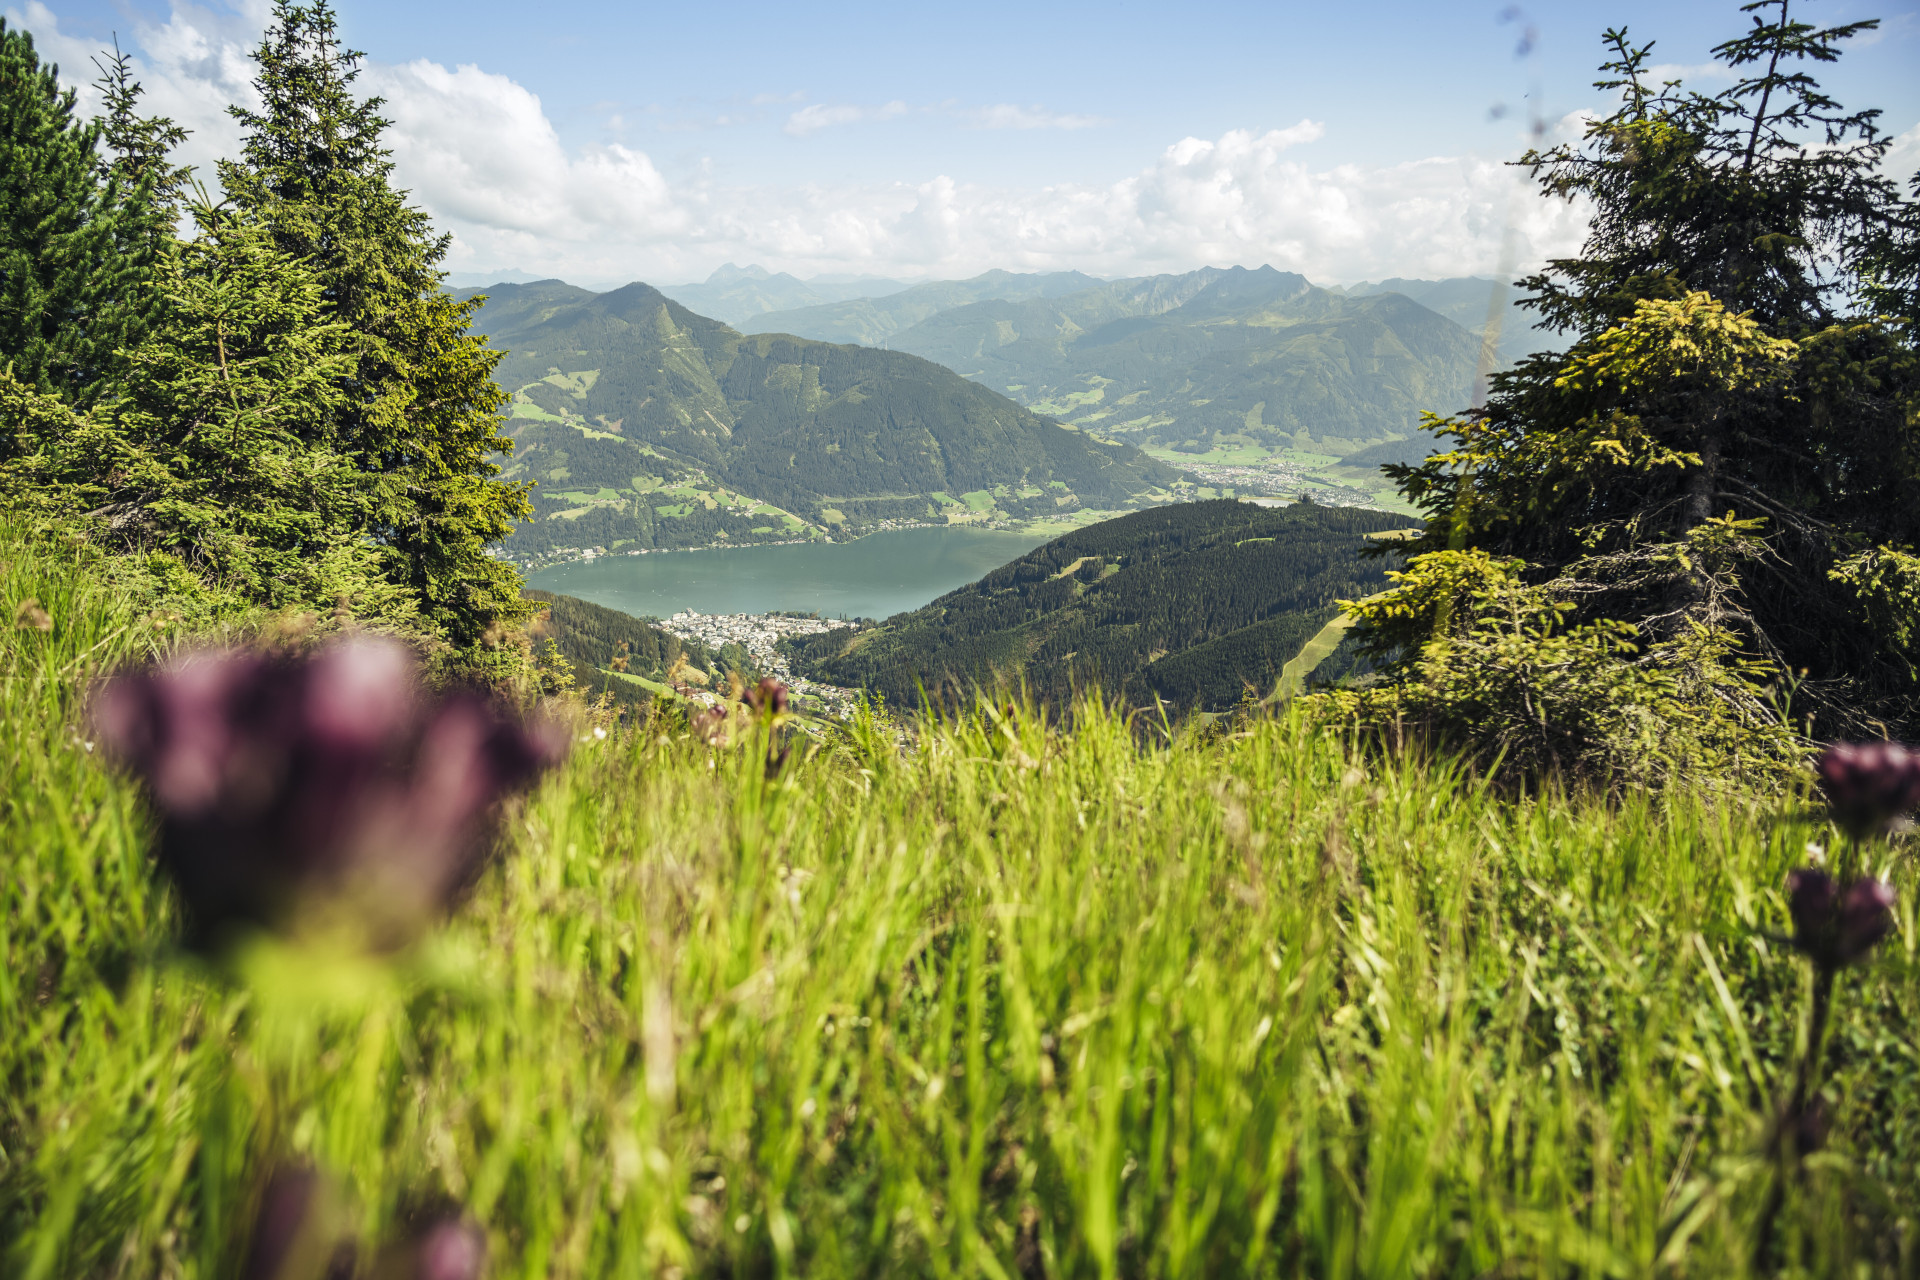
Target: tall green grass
x,y
1014,1003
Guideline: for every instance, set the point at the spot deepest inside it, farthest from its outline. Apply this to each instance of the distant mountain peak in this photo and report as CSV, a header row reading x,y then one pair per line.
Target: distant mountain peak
x,y
727,272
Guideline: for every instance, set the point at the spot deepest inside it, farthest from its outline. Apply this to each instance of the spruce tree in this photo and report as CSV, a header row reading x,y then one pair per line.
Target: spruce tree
x,y
70,295
1726,462
218,448
419,415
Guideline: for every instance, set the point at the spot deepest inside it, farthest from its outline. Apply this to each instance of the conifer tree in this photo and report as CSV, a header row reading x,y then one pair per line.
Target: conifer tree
x,y
1727,461
69,293
419,414
217,449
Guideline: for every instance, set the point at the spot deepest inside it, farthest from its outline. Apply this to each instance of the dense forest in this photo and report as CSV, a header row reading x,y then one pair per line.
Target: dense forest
x,y
1194,604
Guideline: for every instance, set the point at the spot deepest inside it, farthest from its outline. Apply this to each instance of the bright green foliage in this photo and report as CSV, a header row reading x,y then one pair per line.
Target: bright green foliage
x,y
1720,439
1521,690
71,294
418,415
219,449
136,158
1012,1003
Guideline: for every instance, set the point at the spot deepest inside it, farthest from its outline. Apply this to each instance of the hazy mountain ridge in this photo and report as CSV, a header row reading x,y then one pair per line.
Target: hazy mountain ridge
x,y
647,424
1192,603
871,321
736,295
1467,301
1212,358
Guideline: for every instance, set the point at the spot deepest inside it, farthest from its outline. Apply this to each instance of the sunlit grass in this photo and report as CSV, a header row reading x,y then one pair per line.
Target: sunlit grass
x,y
1015,1003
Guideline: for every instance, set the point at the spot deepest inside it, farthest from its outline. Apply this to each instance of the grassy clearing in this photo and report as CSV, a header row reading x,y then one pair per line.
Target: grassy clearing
x,y
1017,1003
1293,676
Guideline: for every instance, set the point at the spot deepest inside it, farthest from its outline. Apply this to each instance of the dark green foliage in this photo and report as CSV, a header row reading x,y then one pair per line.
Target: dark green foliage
x,y
601,644
1726,462
638,386
218,449
71,287
1193,603
418,416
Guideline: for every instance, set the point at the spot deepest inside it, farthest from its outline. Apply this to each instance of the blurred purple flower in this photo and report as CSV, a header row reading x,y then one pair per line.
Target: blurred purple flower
x,y
1869,785
286,783
1835,925
768,697
710,726
297,1231
448,1248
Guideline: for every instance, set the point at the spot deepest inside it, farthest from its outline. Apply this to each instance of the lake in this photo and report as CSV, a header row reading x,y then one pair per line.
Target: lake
x,y
872,577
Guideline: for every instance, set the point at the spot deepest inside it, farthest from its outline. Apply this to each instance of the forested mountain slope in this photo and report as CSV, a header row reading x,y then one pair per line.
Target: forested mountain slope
x,y
613,652
1215,359
646,424
1191,603
872,321
1465,300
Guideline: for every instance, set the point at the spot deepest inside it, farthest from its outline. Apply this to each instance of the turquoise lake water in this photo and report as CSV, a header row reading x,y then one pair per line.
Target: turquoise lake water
x,y
872,577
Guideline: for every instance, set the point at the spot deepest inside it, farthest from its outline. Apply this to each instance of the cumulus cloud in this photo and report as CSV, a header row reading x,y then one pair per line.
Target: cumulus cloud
x,y
817,116
478,152
192,66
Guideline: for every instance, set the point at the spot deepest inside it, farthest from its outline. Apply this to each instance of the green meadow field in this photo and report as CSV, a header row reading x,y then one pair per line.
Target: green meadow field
x,y
1013,1001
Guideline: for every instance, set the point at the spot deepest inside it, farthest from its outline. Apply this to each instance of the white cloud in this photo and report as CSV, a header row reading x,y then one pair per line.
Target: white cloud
x,y
191,67
479,153
818,116
1903,157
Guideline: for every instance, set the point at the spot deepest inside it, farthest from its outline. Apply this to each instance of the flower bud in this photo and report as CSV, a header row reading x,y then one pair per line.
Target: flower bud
x,y
449,1247
768,697
289,784
1869,785
1835,925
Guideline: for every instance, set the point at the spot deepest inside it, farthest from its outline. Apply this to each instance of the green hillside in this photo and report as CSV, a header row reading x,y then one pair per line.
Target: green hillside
x,y
646,425
612,652
1191,603
1465,300
871,321
1215,361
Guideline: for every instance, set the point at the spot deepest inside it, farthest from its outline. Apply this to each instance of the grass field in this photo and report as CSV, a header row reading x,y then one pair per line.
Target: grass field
x,y
1013,1003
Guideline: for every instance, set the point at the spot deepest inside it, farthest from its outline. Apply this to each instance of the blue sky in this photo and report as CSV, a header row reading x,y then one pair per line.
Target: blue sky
x,y
607,141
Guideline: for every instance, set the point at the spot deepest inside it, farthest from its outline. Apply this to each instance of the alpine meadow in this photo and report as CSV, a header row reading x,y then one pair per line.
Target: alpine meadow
x,y
1429,801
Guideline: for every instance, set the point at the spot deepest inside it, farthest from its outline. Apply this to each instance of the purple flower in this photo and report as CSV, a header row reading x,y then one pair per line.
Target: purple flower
x,y
325,781
710,726
1869,785
1835,925
447,1248
768,697
297,1230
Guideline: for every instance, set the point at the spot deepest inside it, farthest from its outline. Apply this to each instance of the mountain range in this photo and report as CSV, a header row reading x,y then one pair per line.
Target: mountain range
x,y
1191,604
1214,359
647,425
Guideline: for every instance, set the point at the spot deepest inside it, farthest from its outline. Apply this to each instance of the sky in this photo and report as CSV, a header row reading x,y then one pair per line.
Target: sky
x,y
604,142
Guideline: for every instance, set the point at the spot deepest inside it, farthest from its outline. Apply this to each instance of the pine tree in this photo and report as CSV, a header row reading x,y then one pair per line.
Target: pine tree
x,y
69,293
1727,460
419,415
218,448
